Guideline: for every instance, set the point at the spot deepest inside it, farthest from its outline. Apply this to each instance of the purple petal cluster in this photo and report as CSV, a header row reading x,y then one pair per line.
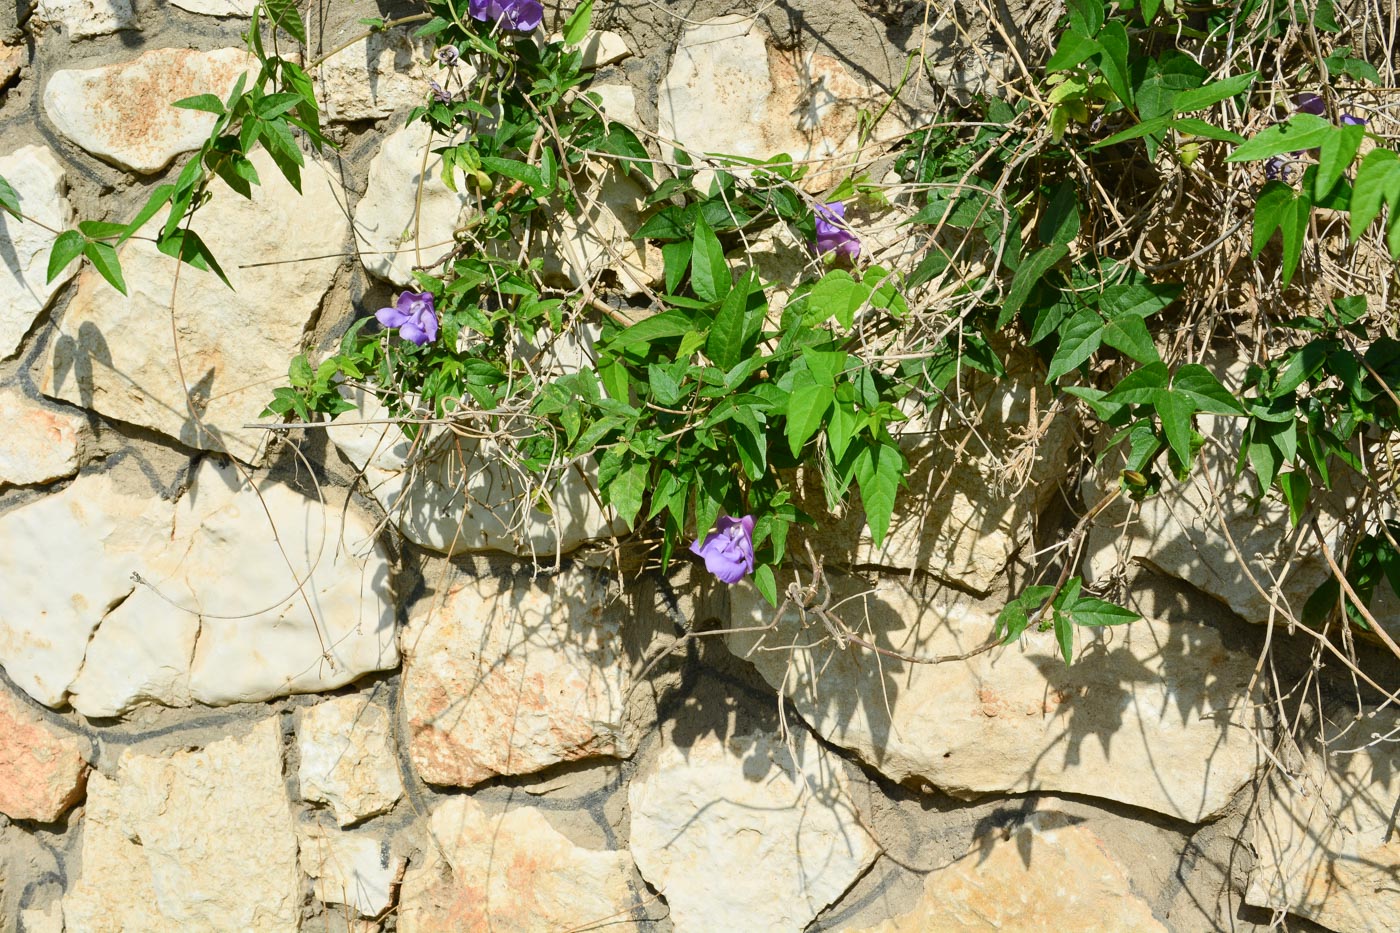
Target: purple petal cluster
x,y
728,550
832,235
1308,102
515,15
413,314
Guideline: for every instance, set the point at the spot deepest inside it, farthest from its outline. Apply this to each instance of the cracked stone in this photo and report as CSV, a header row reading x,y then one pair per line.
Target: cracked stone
x,y
40,443
347,758
42,771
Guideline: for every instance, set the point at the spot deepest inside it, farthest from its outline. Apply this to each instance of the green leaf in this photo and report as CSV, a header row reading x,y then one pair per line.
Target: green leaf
x,y
1302,131
100,230
1142,300
514,170
737,325
9,200
1195,127
1026,277
1079,338
806,412
1176,410
627,489
837,295
766,584
1296,487
1128,334
1064,635
1199,98
1140,386
879,471
1336,155
284,13
665,387
68,247
160,196
1098,612
104,259
709,273
671,323
1014,619
1059,224
1073,49
1205,391
1376,181
209,103
576,27
1114,62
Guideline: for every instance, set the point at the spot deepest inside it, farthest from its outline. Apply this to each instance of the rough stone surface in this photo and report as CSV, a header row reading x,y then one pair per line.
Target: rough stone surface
x,y
1152,699
40,183
508,676
395,228
81,546
512,872
441,502
114,353
217,7
350,868
197,840
198,633
122,112
737,835
973,490
48,919
84,19
619,101
1326,834
1043,875
603,48
374,77
805,105
12,59
347,758
40,442
42,771
580,245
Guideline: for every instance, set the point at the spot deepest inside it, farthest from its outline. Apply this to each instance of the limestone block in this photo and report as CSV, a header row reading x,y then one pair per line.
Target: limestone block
x,y
973,489
351,868
48,919
117,354
217,7
456,494
42,771
1326,835
76,550
509,676
1158,698
577,246
84,19
512,872
314,619
805,105
603,48
12,59
619,101
1021,881
199,840
123,113
736,834
40,183
40,442
397,226
347,758
374,77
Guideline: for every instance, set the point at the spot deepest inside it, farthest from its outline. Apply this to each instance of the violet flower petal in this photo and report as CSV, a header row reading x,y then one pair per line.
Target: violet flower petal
x,y
728,550
1308,102
831,235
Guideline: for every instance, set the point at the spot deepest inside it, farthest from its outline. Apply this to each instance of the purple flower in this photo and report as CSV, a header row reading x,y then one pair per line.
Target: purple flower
x,y
448,55
413,315
516,15
1310,103
832,235
1277,169
439,92
728,550
1352,120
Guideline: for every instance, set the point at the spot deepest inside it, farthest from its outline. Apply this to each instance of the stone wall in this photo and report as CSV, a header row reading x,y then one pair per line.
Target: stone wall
x,y
244,687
